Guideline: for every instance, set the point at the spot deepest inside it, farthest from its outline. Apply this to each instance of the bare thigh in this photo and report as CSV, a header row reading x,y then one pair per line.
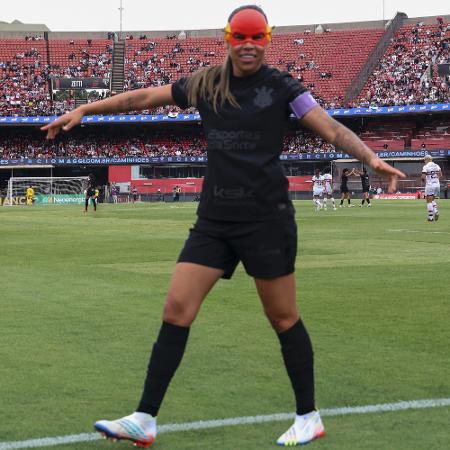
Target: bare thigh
x,y
278,297
188,288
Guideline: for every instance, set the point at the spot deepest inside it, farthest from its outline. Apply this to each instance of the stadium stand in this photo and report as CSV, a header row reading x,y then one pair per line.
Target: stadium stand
x,y
23,77
380,135
407,73
80,58
125,141
324,62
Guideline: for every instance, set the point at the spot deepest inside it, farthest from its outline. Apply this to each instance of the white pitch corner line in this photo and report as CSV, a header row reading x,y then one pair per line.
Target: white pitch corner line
x,y
201,425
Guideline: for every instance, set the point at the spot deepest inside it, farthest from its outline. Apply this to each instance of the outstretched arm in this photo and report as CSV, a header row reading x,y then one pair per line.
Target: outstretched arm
x,y
136,100
345,140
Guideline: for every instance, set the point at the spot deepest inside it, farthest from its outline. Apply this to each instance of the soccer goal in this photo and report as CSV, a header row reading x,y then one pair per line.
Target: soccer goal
x,y
47,190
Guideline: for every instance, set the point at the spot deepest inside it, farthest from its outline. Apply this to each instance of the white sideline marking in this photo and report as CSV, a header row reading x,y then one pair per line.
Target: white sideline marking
x,y
404,230
202,425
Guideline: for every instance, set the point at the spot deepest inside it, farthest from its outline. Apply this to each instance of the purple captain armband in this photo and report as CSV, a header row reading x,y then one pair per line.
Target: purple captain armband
x,y
302,104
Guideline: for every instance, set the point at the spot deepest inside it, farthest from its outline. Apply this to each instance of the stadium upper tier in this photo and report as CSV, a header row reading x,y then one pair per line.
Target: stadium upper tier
x,y
325,62
407,73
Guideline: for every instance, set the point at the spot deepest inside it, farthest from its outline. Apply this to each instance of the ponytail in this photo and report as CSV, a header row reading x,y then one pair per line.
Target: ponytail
x,y
212,85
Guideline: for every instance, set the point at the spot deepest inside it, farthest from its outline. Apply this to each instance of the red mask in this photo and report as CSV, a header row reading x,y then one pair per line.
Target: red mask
x,y
248,25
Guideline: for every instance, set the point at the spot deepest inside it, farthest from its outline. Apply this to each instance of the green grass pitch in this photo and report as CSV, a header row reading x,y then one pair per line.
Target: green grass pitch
x,y
80,305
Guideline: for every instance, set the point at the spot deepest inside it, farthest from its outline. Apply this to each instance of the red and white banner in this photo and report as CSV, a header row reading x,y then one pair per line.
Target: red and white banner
x,y
396,196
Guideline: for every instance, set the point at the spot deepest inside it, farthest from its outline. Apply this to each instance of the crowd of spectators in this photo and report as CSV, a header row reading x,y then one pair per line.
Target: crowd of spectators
x,y
407,74
117,143
305,142
188,140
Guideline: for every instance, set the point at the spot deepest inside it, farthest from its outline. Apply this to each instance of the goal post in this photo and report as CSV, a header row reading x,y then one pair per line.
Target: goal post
x,y
47,190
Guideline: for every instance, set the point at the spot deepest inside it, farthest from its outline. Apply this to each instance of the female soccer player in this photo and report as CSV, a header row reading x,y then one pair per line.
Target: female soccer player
x,y
245,213
431,173
365,185
328,188
90,193
318,182
345,193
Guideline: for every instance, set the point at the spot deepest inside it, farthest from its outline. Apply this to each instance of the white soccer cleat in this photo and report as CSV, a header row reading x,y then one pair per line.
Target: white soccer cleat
x,y
436,216
138,428
305,429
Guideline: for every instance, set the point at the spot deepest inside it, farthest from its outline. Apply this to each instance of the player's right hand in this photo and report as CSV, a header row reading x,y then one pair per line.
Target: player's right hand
x,y
66,122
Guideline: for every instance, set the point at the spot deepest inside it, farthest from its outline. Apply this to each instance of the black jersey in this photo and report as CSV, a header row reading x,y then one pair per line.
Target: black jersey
x,y
90,188
344,181
244,178
365,181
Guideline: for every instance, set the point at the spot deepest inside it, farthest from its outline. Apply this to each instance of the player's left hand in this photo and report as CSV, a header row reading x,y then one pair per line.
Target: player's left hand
x,y
388,172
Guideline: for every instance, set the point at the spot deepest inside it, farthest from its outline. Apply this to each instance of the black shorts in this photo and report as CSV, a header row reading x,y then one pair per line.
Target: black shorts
x,y
344,190
90,192
267,249
365,189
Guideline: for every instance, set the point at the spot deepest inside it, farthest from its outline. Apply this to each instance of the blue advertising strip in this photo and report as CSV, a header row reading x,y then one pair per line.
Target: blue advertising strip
x,y
132,160
121,118
385,110
142,118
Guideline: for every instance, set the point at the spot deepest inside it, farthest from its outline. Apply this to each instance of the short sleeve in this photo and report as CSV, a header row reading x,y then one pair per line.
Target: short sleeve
x,y
297,96
179,93
293,88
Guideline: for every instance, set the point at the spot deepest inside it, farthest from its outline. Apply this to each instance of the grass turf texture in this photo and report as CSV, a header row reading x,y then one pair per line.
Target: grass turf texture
x,y
81,303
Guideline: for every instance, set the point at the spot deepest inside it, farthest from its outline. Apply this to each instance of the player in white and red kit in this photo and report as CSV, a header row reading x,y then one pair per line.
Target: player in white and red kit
x,y
431,173
328,188
318,183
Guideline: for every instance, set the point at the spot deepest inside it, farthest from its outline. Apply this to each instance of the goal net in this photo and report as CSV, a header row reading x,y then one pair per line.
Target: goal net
x,y
47,190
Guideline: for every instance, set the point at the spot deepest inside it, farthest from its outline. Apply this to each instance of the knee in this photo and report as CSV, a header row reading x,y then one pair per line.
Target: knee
x,y
282,320
177,311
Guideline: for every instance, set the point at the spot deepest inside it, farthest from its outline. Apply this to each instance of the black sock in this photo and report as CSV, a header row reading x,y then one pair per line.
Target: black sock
x,y
166,356
368,201
299,361
342,201
348,201
362,202
86,204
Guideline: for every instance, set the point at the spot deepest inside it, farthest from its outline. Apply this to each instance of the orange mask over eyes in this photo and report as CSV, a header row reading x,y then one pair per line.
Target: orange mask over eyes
x,y
248,25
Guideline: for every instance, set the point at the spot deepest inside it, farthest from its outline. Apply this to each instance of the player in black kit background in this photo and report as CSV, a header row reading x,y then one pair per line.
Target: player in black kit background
x,y
345,192
90,193
365,185
244,215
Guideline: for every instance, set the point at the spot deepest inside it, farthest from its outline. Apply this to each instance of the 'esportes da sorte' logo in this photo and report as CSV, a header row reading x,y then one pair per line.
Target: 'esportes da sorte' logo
x,y
263,97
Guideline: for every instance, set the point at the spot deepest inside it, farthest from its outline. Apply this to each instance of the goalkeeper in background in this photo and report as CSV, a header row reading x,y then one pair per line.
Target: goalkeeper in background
x,y
91,193
30,195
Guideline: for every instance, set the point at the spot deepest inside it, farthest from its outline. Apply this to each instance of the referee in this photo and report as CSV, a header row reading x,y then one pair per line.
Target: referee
x,y
244,214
